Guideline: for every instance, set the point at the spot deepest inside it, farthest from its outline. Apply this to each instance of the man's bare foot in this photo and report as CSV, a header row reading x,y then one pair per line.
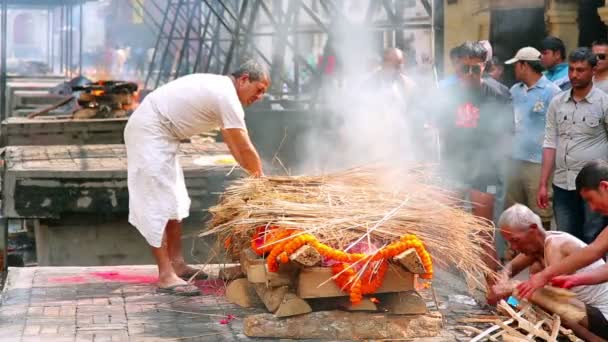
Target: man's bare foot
x,y
182,269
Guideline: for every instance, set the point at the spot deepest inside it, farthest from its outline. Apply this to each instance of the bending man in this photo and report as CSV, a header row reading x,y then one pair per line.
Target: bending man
x,y
178,110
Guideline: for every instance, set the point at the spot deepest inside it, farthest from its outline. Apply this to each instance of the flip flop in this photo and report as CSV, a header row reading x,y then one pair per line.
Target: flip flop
x,y
199,276
187,290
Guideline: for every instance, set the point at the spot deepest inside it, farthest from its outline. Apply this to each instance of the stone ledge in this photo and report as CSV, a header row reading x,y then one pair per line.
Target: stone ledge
x,y
340,325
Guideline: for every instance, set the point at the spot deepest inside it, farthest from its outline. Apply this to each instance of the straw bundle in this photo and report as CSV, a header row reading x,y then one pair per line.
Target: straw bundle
x,y
372,204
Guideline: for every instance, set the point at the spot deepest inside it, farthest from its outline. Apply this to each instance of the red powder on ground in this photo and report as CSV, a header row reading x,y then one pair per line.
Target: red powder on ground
x,y
211,287
119,277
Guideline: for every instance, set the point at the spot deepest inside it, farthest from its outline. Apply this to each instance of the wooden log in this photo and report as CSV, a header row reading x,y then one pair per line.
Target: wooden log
x,y
292,305
272,297
255,269
411,261
558,302
524,324
316,282
306,256
403,303
241,292
557,323
231,273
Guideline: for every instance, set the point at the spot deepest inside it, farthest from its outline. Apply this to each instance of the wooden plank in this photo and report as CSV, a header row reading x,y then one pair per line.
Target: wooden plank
x,y
309,285
411,261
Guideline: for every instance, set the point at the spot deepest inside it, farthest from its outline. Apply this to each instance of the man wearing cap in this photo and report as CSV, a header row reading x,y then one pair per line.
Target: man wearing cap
x,y
575,133
531,97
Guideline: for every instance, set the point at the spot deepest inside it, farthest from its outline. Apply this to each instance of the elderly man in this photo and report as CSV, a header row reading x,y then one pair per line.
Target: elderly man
x,y
531,98
158,199
575,133
523,229
592,184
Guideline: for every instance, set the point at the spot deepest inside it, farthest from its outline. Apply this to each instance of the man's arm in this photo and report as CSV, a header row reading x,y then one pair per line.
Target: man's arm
x,y
243,150
577,260
548,163
594,277
518,264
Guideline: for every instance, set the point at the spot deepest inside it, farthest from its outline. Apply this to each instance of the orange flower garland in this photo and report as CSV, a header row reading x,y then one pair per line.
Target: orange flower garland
x,y
281,243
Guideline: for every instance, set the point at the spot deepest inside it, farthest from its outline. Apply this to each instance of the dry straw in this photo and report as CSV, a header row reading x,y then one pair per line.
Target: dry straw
x,y
373,204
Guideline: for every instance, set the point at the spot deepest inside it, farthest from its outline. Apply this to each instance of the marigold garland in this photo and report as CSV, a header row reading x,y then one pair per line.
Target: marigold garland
x,y
280,243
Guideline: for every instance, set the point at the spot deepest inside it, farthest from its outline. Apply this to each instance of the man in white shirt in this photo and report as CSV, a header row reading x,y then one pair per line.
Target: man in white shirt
x,y
158,199
522,228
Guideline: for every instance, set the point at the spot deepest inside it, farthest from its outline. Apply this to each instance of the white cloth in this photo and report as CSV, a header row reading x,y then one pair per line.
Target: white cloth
x,y
198,103
189,105
594,295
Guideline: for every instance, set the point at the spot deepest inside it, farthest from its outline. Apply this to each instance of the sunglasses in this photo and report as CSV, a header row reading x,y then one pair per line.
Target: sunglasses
x,y
475,69
601,56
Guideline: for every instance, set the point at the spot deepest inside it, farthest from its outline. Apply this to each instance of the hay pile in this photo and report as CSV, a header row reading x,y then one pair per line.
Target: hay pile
x,y
373,204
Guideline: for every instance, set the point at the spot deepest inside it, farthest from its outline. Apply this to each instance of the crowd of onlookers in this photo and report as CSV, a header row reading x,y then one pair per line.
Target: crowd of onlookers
x,y
532,141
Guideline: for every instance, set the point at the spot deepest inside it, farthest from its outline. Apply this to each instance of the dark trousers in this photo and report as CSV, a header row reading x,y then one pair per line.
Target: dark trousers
x,y
573,215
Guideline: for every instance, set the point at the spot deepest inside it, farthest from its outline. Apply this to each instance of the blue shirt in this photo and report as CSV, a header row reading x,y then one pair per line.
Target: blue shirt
x,y
530,106
559,75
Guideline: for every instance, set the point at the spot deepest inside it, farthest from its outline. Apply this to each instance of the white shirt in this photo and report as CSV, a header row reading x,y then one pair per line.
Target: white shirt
x,y
198,103
594,295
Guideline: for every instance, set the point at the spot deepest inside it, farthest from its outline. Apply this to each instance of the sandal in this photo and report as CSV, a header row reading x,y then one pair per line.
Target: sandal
x,y
187,290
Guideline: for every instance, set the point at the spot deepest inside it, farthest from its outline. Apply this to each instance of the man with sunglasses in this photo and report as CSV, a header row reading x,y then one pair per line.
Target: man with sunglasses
x,y
600,49
474,118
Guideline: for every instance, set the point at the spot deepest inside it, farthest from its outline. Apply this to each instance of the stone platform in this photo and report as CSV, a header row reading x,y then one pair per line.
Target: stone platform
x,y
119,303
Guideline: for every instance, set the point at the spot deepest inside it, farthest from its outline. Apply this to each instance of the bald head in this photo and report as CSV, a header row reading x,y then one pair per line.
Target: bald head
x,y
393,58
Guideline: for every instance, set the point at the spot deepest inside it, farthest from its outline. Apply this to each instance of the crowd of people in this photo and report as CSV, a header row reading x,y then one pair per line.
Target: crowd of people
x,y
545,142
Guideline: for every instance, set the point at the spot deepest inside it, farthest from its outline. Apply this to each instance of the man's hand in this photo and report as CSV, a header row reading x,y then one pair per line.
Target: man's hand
x,y
542,198
242,149
536,282
566,281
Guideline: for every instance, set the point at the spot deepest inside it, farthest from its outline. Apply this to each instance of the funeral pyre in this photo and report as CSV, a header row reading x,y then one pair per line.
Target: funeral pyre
x,y
358,220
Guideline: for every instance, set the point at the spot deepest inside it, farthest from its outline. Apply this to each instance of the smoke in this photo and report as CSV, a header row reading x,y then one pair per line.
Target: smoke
x,y
366,116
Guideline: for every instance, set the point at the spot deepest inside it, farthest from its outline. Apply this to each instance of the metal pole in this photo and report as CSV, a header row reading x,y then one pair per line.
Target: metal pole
x,y
61,48
71,32
235,38
186,41
4,114
170,37
157,45
3,72
52,41
48,37
80,27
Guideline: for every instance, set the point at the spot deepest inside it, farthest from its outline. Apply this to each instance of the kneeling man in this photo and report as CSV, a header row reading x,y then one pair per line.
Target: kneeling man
x,y
523,229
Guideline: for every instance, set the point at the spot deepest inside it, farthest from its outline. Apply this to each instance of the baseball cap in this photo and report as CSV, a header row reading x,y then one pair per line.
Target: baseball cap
x,y
528,53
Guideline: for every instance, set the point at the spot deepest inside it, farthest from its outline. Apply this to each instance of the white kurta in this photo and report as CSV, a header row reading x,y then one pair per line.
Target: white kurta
x,y
187,106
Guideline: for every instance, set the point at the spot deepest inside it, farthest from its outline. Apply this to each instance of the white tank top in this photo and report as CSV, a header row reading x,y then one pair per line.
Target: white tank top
x,y
594,295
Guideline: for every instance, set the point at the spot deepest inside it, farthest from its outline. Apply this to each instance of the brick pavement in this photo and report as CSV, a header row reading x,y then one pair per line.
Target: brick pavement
x,y
111,304
119,303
